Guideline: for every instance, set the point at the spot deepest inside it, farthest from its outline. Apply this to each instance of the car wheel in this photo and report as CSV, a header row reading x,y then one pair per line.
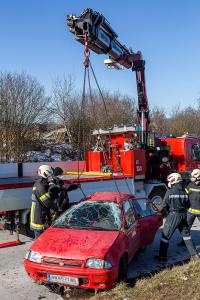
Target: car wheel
x,y
123,268
156,197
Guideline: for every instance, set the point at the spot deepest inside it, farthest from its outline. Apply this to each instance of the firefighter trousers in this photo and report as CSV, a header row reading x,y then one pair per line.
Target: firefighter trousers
x,y
37,233
176,220
191,217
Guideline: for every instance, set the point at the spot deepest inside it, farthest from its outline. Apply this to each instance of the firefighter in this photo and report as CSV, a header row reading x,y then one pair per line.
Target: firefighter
x,y
175,205
193,190
58,189
42,202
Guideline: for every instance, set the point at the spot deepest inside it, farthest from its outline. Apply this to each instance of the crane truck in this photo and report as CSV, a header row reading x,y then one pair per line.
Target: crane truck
x,y
134,159
152,158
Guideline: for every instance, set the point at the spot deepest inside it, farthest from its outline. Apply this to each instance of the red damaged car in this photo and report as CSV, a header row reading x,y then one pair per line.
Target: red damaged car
x,y
91,244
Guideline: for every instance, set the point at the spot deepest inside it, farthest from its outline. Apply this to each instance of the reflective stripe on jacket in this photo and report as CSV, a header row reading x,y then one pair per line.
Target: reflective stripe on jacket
x,y
193,191
176,199
41,204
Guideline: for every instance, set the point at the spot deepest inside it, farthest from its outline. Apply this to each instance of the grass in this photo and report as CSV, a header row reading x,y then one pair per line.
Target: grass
x,y
178,283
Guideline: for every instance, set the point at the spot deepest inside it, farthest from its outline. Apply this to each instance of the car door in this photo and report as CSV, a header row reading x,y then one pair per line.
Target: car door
x,y
148,220
131,229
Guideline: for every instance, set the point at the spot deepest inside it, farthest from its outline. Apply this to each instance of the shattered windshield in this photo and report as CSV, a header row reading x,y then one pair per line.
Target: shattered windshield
x,y
92,215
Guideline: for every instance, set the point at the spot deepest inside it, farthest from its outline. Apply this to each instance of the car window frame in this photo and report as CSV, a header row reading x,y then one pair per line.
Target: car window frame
x,y
124,214
136,211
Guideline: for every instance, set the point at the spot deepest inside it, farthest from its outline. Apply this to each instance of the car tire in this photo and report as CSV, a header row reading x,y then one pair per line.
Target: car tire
x,y
156,197
123,268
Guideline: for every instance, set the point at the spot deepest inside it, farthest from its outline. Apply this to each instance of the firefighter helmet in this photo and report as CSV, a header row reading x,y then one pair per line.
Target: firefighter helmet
x,y
45,171
173,178
195,175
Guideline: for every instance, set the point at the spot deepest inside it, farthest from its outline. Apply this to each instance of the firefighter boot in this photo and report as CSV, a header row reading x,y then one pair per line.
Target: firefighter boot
x,y
195,257
190,246
164,243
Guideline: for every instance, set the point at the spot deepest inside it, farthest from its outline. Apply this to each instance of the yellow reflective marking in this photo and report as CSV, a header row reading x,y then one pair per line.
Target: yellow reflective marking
x,y
44,196
194,190
194,210
40,226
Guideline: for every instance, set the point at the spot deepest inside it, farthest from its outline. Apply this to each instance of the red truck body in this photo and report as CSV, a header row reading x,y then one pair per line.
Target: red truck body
x,y
184,152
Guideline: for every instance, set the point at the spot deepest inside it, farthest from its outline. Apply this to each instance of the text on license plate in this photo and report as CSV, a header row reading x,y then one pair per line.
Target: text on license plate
x,y
63,279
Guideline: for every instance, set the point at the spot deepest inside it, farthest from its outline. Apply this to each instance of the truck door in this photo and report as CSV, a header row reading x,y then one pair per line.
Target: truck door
x,y
131,229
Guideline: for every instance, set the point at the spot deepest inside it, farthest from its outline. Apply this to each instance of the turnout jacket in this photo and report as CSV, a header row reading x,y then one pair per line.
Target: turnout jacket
x,y
176,199
42,202
58,189
193,191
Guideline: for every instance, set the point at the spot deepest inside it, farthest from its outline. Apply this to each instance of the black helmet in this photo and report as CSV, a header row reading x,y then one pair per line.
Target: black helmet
x,y
57,171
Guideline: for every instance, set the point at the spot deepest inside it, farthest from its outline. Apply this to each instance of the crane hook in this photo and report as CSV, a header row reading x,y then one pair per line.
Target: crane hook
x,y
86,51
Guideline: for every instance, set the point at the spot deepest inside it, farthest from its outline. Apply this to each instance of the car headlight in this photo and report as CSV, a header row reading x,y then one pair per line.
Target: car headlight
x,y
96,263
33,256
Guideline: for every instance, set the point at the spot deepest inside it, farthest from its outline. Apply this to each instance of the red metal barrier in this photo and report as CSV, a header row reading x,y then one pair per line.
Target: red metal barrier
x,y
10,244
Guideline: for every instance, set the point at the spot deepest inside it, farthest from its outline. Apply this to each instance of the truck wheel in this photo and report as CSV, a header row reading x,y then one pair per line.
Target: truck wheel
x,y
156,197
123,268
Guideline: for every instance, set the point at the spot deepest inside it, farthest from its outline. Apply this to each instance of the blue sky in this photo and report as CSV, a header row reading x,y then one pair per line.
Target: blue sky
x,y
34,38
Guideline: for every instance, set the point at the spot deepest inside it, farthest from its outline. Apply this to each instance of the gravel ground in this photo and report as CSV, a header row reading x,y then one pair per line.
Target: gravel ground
x,y
15,284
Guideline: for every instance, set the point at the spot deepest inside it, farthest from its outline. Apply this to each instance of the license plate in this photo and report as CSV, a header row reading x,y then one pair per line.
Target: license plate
x,y
63,279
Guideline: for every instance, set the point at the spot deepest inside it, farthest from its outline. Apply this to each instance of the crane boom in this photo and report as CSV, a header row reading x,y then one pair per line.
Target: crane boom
x,y
102,39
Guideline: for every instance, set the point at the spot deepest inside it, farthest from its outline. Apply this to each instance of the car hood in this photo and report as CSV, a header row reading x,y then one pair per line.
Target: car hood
x,y
74,244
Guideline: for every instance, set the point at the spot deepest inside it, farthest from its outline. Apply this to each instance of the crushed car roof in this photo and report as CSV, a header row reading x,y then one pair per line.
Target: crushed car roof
x,y
110,196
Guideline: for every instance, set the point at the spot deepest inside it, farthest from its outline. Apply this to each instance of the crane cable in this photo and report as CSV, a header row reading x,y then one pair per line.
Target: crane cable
x,y
81,113
94,113
107,118
87,64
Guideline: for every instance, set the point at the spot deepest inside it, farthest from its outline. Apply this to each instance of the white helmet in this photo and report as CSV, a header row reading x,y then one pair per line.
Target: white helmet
x,y
195,175
173,178
45,171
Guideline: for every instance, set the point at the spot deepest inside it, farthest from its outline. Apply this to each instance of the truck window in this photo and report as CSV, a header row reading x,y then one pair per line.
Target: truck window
x,y
129,216
142,208
196,152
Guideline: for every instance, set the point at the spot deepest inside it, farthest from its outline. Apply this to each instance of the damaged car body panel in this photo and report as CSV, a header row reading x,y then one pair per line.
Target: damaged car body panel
x,y
87,244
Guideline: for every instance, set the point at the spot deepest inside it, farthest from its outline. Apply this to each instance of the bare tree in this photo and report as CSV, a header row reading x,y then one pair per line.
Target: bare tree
x,y
23,104
80,115
185,121
159,122
63,103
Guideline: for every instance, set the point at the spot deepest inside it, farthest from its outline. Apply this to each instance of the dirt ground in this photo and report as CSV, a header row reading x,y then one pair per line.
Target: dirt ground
x,y
15,284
